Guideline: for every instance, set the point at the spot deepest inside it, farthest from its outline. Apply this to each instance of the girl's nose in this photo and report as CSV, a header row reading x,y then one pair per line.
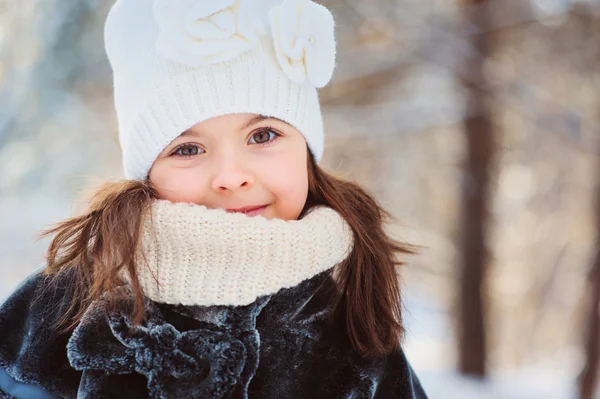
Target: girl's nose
x,y
232,178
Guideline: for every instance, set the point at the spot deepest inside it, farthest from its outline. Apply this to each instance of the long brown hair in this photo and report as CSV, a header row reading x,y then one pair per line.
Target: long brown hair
x,y
96,247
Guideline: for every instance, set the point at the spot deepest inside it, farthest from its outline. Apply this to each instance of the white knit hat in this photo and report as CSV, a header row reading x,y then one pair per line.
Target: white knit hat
x,y
179,62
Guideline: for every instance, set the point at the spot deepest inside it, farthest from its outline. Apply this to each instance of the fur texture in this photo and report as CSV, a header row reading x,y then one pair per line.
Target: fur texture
x,y
280,346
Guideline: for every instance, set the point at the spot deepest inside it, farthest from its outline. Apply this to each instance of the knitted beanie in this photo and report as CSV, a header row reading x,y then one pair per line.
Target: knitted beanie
x,y
176,63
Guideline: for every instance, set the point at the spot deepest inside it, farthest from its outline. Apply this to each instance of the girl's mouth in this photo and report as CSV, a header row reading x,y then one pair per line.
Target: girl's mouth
x,y
249,210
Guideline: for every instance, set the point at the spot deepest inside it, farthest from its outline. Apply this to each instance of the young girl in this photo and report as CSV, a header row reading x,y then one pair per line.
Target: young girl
x,y
229,264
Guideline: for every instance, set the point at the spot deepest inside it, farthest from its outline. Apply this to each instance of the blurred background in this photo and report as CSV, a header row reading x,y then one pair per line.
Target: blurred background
x,y
475,123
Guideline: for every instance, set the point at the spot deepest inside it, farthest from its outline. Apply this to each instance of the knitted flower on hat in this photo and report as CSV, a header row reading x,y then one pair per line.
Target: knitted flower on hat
x,y
303,34
177,63
204,32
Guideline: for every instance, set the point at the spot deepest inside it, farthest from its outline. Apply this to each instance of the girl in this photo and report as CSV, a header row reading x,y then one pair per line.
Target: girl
x,y
229,264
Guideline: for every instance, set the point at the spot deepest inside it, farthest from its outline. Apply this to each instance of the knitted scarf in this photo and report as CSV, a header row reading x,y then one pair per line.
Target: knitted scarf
x,y
192,255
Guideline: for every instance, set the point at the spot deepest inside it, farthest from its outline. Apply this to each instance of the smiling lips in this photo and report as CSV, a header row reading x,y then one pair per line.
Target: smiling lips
x,y
248,210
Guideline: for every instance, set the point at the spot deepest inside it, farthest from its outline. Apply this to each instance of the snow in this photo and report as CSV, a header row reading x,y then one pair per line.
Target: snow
x,y
430,348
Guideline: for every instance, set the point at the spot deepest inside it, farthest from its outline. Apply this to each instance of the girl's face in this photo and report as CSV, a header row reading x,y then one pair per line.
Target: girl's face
x,y
237,162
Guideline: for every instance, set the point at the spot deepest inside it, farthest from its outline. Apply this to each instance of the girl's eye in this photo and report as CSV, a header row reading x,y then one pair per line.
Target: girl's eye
x,y
187,150
263,137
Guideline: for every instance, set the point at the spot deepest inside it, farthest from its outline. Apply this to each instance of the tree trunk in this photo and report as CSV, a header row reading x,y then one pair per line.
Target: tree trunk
x,y
479,137
588,377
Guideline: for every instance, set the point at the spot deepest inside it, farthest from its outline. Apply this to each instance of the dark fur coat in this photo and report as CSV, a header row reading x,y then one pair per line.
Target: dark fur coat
x,y
280,346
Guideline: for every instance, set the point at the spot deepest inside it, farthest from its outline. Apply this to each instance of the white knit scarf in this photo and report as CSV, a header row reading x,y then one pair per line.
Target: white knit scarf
x,y
199,256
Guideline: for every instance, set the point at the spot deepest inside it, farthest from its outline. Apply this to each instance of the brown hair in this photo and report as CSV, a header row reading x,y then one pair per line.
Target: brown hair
x,y
96,246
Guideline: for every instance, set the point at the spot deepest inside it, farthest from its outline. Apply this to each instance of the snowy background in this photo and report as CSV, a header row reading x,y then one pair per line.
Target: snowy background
x,y
394,118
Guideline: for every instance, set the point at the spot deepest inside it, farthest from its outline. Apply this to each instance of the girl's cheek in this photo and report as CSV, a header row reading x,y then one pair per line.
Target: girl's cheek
x,y
182,186
291,186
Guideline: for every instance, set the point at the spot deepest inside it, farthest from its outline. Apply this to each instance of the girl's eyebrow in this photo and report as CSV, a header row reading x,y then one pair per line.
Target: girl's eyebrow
x,y
260,118
251,122
189,132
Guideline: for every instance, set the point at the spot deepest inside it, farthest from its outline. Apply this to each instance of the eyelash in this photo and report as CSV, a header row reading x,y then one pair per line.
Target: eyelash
x,y
261,130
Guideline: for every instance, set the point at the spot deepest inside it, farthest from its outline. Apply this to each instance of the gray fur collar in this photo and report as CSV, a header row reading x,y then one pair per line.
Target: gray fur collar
x,y
214,354
205,362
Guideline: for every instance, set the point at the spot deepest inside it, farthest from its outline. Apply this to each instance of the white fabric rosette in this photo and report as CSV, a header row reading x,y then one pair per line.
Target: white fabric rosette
x,y
203,32
304,38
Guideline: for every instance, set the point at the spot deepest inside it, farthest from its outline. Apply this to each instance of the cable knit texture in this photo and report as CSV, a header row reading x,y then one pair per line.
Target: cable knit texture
x,y
193,255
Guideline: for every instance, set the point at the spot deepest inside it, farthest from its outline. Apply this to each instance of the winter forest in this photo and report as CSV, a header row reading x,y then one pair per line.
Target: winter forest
x,y
474,122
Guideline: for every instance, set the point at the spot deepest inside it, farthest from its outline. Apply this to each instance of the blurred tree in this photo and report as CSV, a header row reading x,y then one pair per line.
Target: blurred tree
x,y
588,377
479,132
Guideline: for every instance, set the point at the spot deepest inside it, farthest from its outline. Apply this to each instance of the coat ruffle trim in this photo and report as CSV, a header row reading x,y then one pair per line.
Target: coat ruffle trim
x,y
214,360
